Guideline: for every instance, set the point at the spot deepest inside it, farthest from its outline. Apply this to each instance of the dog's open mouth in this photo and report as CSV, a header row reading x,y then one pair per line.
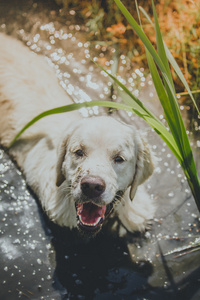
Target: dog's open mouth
x,y
91,216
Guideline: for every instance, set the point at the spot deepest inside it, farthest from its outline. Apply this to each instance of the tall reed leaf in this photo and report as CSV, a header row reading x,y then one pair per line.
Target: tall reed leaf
x,y
179,133
168,99
172,111
68,108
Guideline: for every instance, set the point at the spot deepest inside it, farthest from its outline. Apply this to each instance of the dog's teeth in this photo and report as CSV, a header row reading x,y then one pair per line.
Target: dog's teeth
x,y
91,224
79,209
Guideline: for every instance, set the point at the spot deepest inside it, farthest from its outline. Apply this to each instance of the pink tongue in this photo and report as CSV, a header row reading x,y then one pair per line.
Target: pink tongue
x,y
90,213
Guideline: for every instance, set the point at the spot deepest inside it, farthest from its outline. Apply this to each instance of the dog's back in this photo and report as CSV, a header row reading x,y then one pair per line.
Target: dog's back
x,y
27,87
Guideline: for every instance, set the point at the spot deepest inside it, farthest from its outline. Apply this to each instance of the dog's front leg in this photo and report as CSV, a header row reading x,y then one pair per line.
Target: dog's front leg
x,y
136,215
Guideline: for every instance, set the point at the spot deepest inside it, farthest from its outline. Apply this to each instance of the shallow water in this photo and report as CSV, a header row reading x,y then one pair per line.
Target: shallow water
x,y
39,260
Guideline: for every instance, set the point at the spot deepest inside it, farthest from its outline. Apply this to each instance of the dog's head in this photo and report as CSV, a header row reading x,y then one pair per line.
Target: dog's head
x,y
98,160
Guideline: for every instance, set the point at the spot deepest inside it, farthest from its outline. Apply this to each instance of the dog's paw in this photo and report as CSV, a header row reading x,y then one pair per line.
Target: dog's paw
x,y
134,222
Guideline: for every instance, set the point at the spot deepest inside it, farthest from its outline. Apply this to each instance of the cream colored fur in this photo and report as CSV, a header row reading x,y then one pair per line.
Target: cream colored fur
x,y
45,152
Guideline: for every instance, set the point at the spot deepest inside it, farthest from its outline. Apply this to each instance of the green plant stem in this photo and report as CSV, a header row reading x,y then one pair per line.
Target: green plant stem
x,y
194,184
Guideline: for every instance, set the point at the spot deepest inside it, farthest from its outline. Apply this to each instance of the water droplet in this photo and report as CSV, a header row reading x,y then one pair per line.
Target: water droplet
x,y
78,282
48,246
80,297
16,242
72,12
171,194
166,284
194,215
39,261
158,170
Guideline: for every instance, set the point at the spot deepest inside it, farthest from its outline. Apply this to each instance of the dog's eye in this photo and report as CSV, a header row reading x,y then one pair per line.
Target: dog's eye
x,y
79,153
118,159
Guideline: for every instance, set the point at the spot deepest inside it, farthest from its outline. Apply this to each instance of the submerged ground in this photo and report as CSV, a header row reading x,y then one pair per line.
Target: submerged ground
x,y
42,261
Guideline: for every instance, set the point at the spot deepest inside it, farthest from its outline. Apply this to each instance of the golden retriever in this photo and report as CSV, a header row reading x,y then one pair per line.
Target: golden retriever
x,y
83,170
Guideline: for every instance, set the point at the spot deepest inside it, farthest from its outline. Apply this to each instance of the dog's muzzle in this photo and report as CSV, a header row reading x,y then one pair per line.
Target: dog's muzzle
x,y
91,210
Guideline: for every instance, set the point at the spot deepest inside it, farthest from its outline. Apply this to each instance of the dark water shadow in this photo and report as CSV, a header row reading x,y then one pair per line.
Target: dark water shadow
x,y
99,268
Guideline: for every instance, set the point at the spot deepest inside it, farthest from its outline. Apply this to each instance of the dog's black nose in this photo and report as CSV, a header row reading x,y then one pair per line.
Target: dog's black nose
x,y
92,186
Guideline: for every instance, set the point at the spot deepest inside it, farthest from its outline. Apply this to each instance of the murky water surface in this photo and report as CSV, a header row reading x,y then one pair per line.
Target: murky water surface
x,y
38,259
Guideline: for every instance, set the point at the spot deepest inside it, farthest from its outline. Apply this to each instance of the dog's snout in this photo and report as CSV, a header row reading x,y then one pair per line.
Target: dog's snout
x,y
92,187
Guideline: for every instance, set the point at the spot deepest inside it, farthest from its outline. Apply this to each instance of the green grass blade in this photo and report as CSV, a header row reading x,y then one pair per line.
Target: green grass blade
x,y
146,15
160,46
162,95
68,108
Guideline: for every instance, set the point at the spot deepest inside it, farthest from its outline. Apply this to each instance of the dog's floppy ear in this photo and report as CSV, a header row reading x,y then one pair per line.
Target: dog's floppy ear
x,y
61,156
61,152
144,165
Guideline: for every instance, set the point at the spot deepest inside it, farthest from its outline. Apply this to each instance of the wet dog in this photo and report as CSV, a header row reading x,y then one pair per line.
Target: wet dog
x,y
83,170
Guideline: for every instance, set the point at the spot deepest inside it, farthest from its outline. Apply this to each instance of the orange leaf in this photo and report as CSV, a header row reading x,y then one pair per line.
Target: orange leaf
x,y
117,29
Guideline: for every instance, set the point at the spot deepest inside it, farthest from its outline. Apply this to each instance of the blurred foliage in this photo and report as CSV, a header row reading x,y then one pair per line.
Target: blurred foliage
x,y
179,22
105,23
